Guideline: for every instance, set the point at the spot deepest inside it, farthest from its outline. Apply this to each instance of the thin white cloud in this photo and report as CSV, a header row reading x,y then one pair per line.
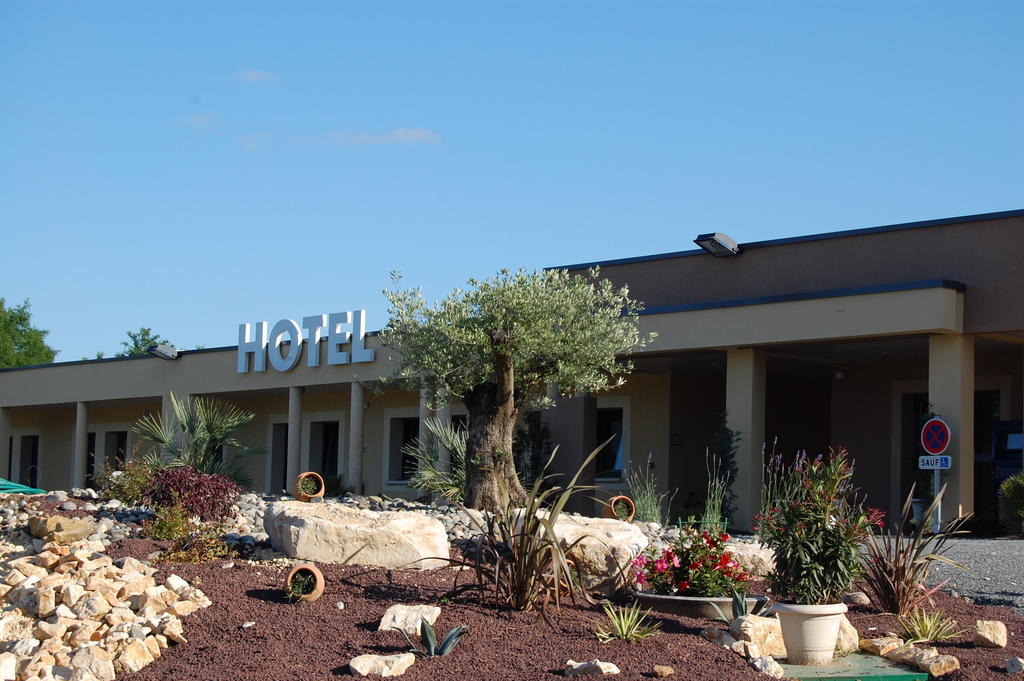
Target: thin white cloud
x,y
256,76
345,138
203,122
255,141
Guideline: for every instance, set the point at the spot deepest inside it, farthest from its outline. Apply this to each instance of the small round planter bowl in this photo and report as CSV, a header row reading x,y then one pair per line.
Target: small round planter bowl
x,y
318,587
609,507
810,631
302,496
698,607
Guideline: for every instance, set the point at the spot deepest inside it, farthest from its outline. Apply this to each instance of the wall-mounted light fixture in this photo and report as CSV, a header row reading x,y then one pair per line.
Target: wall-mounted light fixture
x,y
163,351
718,244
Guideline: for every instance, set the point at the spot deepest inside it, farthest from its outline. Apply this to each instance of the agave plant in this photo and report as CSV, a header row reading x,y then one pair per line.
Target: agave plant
x,y
195,436
428,639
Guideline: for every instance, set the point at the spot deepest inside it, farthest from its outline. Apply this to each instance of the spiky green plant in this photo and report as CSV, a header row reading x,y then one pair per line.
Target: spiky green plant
x,y
651,507
740,607
896,563
921,626
517,556
428,639
1012,492
195,434
448,484
626,623
718,487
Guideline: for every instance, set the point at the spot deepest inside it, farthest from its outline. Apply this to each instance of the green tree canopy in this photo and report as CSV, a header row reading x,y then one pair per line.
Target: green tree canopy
x,y
500,344
22,344
139,342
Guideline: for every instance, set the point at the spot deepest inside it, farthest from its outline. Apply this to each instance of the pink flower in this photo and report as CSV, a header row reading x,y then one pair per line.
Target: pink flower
x,y
675,561
660,565
640,579
640,561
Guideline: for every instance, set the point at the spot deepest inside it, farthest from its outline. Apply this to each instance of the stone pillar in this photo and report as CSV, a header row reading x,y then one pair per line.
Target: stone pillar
x,y
294,434
79,452
444,455
354,475
6,446
745,403
573,426
951,397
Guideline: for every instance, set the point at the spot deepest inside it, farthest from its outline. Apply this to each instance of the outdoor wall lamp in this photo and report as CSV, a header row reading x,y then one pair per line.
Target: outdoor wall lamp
x,y
718,244
163,351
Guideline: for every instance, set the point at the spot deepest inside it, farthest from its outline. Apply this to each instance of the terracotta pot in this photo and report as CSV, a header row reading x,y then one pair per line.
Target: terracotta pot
x,y
300,495
609,507
810,631
694,606
318,588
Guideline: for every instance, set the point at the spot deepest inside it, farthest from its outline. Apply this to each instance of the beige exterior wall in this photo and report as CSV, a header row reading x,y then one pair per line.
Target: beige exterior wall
x,y
671,412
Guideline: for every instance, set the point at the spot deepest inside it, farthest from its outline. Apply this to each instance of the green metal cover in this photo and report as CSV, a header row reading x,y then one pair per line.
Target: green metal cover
x,y
856,667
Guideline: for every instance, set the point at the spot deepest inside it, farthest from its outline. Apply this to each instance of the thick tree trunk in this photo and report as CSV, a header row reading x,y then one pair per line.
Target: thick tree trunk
x,y
491,480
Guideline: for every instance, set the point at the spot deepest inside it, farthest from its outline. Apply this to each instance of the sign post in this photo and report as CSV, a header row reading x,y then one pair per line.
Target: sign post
x,y
935,437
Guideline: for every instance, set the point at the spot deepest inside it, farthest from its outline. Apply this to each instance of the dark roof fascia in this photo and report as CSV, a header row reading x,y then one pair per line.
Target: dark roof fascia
x,y
799,239
810,295
197,351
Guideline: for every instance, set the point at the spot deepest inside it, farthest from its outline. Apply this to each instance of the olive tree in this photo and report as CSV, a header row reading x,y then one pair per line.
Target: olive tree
x,y
499,344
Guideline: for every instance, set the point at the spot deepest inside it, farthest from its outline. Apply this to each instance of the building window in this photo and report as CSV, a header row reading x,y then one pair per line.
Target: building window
x,y
611,459
401,431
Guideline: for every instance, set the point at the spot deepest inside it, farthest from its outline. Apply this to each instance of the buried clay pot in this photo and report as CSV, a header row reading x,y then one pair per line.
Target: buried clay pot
x,y
304,582
309,485
619,502
696,606
810,632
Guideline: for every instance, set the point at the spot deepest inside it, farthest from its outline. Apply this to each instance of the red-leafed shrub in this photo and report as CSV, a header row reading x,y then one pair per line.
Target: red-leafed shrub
x,y
208,496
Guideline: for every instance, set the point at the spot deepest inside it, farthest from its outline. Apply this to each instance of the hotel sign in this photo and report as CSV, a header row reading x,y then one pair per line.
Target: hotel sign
x,y
343,332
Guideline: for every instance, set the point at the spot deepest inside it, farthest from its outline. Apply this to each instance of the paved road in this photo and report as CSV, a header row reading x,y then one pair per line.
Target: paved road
x,y
996,575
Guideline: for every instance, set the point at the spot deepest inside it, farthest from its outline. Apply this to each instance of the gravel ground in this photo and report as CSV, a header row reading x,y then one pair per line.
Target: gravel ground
x,y
996,574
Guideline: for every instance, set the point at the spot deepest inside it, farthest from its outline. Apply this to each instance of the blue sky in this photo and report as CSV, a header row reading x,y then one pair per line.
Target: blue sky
x,y
191,165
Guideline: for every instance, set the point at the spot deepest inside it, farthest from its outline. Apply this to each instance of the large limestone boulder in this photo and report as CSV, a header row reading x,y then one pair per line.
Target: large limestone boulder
x,y
333,533
603,550
757,560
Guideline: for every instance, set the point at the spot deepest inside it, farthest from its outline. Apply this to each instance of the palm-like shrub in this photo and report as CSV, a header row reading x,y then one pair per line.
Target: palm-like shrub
x,y
448,484
1012,492
195,436
897,563
518,557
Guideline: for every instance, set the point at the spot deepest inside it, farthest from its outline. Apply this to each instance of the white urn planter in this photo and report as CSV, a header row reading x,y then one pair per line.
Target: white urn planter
x,y
810,631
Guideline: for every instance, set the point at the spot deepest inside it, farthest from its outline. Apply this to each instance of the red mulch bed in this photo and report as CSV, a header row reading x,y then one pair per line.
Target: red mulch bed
x,y
975,663
310,641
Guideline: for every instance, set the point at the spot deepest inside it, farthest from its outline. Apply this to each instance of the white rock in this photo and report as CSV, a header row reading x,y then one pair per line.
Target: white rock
x,y
1015,665
26,647
407,617
990,634
385,665
333,533
757,560
595,666
8,666
766,664
177,585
